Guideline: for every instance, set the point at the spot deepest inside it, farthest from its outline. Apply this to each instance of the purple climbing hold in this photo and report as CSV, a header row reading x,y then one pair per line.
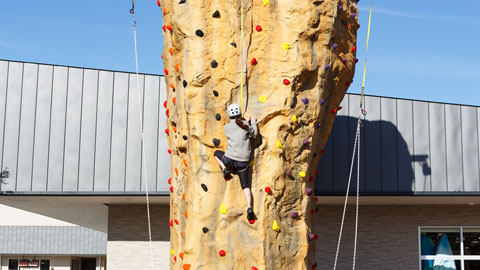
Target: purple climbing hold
x,y
305,141
340,8
322,101
294,214
318,124
305,100
335,46
344,60
311,236
327,66
289,172
308,191
353,15
315,155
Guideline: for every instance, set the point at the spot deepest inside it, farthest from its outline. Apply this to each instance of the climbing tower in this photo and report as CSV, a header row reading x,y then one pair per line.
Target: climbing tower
x,y
288,63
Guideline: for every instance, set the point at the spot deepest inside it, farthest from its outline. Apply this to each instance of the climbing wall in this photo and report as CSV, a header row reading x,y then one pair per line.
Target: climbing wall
x,y
298,61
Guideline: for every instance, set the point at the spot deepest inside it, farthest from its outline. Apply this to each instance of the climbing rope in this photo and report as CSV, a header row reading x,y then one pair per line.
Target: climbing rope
x,y
134,26
241,55
356,149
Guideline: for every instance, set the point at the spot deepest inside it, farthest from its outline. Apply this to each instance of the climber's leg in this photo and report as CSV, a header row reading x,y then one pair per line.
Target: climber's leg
x,y
248,196
219,156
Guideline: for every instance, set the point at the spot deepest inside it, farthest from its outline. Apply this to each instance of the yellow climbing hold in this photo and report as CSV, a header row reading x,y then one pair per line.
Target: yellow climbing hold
x,y
223,209
171,251
275,226
262,98
294,118
302,174
279,144
251,163
285,46
265,2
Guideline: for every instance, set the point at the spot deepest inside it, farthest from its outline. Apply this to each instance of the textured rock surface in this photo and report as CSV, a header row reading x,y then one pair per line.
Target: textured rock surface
x,y
304,60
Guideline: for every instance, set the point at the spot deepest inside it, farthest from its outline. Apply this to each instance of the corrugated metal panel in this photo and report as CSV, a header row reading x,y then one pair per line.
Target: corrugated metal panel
x,y
52,240
78,130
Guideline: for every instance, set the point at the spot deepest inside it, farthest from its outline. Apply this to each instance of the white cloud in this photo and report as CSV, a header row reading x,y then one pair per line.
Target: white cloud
x,y
424,16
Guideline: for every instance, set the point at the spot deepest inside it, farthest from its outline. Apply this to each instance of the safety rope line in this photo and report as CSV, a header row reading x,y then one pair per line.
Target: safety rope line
x,y
134,25
366,54
357,142
356,149
242,56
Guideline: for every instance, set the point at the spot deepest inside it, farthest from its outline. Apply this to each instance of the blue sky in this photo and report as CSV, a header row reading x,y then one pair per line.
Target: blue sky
x,y
427,49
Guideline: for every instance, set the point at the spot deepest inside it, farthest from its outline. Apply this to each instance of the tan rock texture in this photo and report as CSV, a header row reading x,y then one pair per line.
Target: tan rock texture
x,y
204,71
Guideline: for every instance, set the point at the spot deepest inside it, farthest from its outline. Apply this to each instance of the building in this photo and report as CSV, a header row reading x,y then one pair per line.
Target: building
x,y
70,138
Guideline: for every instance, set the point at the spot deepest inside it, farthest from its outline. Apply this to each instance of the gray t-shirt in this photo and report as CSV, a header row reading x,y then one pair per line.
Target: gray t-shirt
x,y
239,140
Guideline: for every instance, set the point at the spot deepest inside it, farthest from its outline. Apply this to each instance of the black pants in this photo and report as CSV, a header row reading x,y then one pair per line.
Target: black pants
x,y
236,167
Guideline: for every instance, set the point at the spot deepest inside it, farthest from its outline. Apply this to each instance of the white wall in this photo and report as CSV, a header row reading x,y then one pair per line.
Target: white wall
x,y
10,216
56,262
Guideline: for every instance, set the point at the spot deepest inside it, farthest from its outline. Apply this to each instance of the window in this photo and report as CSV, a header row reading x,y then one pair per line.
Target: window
x,y
13,264
449,248
45,265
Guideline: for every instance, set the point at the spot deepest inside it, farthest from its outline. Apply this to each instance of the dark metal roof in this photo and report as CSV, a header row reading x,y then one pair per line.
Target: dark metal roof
x,y
52,240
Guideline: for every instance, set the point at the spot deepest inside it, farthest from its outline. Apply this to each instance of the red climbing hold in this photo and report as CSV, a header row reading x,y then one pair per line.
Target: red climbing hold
x,y
166,71
253,61
164,27
222,253
286,81
316,236
167,131
169,151
165,104
258,28
175,258
170,181
167,113
312,211
161,56
158,3
348,83
354,48
171,223
310,179
171,189
176,221
334,111
169,27
316,199
316,172
356,60
251,221
254,268
268,190
322,151
339,108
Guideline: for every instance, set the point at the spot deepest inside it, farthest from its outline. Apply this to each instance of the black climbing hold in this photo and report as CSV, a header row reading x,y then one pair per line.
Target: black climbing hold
x,y
185,83
216,14
216,142
205,229
199,33
182,1
204,187
215,93
185,137
218,117
214,64
234,44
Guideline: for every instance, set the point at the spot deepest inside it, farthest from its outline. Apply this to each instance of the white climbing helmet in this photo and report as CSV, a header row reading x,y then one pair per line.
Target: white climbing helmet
x,y
233,110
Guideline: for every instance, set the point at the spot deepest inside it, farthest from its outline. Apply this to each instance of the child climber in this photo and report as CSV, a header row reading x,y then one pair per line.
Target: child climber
x,y
235,159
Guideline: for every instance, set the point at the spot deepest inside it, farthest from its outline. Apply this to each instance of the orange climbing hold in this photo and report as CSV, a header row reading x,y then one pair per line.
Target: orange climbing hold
x,y
170,50
174,100
177,67
174,129
181,255
183,196
164,11
185,163
181,234
186,214
172,86
169,27
186,266
176,171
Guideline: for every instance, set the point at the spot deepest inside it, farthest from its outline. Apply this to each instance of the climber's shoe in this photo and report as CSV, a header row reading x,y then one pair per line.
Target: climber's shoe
x,y
226,173
250,214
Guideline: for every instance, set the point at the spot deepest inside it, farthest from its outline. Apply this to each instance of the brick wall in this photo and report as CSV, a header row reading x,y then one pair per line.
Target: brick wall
x,y
388,234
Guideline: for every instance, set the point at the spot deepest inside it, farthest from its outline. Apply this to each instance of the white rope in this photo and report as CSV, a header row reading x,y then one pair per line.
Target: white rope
x,y
357,141
358,195
143,144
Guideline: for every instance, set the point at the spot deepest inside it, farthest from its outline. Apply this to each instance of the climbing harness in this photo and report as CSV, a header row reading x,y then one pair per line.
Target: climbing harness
x,y
134,26
356,150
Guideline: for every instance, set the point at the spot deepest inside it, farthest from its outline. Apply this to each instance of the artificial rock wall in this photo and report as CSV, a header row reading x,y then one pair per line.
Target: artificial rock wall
x,y
299,59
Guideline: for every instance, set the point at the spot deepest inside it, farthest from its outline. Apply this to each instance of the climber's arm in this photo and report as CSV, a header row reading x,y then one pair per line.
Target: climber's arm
x,y
252,127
